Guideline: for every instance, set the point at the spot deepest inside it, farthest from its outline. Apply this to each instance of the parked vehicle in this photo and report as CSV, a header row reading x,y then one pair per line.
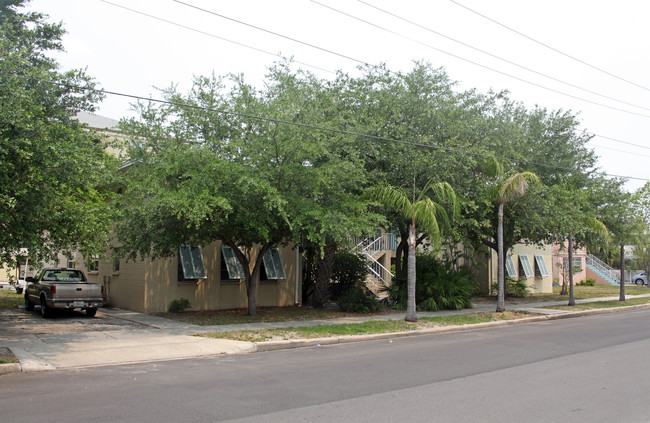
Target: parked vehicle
x,y
62,288
20,286
640,278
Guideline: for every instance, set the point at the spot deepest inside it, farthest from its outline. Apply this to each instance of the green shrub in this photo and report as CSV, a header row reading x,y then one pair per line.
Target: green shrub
x,y
349,269
357,300
515,288
179,305
587,282
438,286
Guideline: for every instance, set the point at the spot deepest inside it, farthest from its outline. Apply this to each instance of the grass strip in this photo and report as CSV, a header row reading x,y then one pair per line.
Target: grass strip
x,y
365,328
9,298
602,304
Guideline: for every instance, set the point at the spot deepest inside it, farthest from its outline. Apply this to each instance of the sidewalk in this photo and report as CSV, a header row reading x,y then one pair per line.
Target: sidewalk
x,y
163,339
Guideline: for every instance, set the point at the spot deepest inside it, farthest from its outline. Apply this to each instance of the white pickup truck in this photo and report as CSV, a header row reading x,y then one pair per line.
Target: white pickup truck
x,y
61,288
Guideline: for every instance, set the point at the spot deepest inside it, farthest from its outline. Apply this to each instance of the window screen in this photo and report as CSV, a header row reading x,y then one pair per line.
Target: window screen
x,y
525,269
192,262
510,267
273,264
540,267
234,267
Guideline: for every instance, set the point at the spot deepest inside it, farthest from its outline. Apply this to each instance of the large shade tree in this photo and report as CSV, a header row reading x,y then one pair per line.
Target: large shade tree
x,y
244,166
54,174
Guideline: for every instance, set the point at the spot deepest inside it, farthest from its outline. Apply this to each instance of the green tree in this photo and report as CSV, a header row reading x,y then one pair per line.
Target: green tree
x,y
613,206
54,174
421,211
201,175
641,214
574,219
507,189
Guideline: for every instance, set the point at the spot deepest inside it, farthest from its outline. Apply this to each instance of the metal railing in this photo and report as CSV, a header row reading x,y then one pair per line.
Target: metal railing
x,y
384,242
378,272
613,276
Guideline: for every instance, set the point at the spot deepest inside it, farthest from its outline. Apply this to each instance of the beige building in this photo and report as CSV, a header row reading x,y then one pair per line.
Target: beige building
x,y
210,278
530,263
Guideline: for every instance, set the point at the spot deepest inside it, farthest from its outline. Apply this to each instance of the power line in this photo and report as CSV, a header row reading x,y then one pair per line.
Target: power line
x,y
213,35
621,151
304,63
333,130
617,140
344,132
274,33
498,57
549,47
478,64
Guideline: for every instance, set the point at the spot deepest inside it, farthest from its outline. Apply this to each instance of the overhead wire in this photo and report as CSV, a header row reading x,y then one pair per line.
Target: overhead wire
x,y
550,47
479,64
274,54
617,140
498,57
620,151
286,37
333,130
189,28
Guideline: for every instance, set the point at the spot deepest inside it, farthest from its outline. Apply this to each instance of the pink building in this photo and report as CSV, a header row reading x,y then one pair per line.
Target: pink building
x,y
560,254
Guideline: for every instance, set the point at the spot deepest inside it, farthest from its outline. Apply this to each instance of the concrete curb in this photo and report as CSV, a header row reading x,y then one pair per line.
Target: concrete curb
x,y
316,342
7,368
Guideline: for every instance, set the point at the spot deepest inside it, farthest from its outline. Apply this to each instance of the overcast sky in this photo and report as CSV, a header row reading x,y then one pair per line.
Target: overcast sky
x,y
131,53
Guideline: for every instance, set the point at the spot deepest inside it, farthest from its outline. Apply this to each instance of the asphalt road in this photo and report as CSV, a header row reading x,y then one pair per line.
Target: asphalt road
x,y
575,370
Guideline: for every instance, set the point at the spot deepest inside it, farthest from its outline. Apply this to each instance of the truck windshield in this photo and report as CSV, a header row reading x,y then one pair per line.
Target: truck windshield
x,y
63,275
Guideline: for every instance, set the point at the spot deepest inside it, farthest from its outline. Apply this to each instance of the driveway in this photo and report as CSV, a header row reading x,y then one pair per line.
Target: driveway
x,y
71,340
22,322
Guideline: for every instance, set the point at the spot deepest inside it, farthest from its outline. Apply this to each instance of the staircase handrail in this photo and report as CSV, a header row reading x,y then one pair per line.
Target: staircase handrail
x,y
381,266
603,268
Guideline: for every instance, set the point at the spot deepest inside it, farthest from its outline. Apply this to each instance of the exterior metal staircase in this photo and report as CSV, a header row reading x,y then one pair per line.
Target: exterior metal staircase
x,y
370,247
602,269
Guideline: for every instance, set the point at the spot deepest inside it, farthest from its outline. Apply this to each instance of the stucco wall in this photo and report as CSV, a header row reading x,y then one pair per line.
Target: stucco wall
x,y
535,284
151,285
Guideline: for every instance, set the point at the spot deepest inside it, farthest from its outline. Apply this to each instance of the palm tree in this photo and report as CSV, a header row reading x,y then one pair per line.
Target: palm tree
x,y
510,188
423,212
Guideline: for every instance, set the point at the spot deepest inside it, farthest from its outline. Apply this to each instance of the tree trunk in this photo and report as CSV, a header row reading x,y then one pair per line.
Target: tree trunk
x,y
622,278
323,275
251,289
501,306
572,300
252,278
410,302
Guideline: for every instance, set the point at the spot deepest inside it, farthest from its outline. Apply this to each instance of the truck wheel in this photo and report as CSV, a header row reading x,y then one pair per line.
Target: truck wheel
x,y
45,310
29,306
90,312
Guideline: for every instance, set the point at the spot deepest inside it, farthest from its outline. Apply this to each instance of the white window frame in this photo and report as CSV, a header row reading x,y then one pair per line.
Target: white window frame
x,y
524,264
93,264
233,265
273,264
541,271
577,262
192,262
510,267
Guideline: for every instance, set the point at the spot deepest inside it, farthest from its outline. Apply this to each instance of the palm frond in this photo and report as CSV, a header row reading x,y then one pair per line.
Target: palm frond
x,y
596,226
390,196
516,185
